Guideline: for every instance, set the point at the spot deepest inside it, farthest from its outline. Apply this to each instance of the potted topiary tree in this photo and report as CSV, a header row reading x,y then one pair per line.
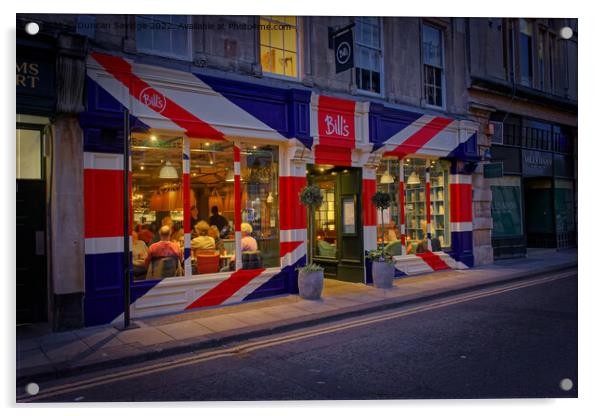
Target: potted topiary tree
x,y
383,269
311,276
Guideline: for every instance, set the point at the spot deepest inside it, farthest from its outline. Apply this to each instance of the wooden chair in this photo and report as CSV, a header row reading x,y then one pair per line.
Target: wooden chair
x,y
207,263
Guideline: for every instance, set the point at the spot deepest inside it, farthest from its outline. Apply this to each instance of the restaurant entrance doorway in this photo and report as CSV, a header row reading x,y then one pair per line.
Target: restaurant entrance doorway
x,y
338,237
32,295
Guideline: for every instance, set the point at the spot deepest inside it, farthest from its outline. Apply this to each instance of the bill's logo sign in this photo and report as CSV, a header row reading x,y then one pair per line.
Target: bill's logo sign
x,y
153,99
28,74
336,126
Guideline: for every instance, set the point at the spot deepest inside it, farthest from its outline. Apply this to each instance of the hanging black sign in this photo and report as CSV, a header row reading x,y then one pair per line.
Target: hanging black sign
x,y
343,50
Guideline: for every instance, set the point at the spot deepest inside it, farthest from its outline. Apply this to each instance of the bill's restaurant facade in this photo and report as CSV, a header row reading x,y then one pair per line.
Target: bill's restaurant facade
x,y
197,142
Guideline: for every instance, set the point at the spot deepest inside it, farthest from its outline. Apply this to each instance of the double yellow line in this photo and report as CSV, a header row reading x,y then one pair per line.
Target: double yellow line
x,y
296,336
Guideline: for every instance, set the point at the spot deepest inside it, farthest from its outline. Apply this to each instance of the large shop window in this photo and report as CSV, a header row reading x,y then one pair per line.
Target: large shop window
x,y
279,45
164,35
415,205
213,243
506,206
157,205
260,245
158,202
368,54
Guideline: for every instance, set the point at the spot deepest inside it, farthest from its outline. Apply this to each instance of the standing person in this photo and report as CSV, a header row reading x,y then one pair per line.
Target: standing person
x,y
194,216
219,221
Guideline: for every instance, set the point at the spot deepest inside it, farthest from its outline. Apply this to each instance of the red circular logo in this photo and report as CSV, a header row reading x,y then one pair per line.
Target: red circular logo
x,y
153,99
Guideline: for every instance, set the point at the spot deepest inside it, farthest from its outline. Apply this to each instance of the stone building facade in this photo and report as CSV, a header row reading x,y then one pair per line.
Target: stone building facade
x,y
455,68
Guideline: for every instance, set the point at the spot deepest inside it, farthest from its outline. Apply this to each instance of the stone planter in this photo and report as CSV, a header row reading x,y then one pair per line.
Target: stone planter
x,y
382,274
311,284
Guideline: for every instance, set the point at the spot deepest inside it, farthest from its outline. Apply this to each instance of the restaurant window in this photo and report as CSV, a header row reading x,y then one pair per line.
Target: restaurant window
x,y
541,59
368,54
164,35
259,202
325,219
29,154
387,179
440,223
415,204
213,243
157,206
278,37
526,52
552,58
506,206
432,57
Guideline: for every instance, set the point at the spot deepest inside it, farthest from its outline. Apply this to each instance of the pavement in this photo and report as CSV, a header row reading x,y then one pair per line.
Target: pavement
x,y
43,355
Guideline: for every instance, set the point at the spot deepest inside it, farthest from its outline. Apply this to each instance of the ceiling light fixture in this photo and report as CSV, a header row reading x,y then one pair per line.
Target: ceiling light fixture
x,y
168,171
413,179
387,178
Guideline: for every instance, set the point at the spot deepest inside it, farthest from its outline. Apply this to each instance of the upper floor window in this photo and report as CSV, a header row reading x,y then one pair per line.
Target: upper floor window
x,y
541,67
368,54
433,61
278,38
526,52
164,35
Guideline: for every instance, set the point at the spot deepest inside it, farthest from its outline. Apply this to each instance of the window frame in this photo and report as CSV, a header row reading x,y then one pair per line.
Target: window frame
x,y
154,52
423,65
531,62
300,55
381,60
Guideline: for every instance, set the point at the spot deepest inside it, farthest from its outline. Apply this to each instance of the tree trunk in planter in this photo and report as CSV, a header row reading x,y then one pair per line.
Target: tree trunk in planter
x,y
382,274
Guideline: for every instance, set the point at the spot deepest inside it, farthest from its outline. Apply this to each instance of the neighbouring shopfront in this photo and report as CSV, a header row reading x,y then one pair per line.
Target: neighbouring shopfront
x,y
35,85
215,173
533,195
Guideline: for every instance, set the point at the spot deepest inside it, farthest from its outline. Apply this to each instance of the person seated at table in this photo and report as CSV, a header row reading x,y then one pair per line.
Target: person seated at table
x,y
139,254
247,243
219,243
177,235
145,234
203,241
164,248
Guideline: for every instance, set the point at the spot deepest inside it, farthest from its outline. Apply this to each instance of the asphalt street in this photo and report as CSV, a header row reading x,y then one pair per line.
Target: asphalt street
x,y
516,344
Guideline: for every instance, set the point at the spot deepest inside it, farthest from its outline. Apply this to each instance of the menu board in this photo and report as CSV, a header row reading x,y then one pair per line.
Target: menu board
x,y
349,215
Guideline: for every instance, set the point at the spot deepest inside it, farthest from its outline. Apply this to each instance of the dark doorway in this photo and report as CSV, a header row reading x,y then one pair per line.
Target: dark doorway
x,y
338,231
31,228
539,212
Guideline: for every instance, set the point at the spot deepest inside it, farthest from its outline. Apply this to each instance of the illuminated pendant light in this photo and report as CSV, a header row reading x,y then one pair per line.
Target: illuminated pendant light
x,y
168,171
269,199
387,178
230,176
413,179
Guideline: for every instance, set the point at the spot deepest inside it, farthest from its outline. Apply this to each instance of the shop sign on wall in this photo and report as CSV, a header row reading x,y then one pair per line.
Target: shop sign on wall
x,y
537,163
